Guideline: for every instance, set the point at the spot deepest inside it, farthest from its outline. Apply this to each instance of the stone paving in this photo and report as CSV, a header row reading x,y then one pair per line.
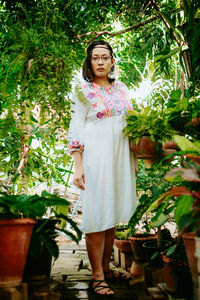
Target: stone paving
x,y
72,272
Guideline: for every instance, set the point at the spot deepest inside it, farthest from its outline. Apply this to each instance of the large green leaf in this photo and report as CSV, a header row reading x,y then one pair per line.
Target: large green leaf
x,y
184,144
184,204
162,219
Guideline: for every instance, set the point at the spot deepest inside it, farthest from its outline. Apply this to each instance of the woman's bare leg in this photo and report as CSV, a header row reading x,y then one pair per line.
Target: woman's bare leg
x,y
109,241
95,243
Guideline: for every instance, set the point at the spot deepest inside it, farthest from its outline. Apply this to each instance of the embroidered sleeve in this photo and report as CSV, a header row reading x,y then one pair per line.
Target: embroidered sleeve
x,y
79,110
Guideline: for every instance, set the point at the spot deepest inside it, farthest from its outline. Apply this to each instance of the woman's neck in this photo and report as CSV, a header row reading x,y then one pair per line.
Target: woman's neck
x,y
102,81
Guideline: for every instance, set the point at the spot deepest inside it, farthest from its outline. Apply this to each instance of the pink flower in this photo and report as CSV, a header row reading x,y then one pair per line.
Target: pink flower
x,y
90,95
99,115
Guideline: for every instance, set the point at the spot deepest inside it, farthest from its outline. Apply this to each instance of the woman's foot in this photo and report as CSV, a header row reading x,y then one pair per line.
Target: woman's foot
x,y
100,287
113,275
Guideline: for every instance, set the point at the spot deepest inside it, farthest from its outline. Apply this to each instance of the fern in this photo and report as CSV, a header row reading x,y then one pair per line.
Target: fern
x,y
80,94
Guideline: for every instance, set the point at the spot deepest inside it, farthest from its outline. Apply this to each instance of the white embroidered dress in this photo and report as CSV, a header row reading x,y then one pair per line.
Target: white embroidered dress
x,y
96,130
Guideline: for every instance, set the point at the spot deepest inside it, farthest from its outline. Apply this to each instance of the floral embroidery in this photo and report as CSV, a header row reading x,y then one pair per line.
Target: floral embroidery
x,y
76,145
99,115
90,95
107,102
105,113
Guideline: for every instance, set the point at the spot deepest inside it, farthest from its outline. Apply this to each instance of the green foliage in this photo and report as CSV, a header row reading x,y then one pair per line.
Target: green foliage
x,y
123,234
150,185
148,122
35,206
182,200
181,111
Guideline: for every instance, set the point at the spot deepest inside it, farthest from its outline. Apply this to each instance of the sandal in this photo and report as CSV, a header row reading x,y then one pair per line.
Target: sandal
x,y
99,287
110,276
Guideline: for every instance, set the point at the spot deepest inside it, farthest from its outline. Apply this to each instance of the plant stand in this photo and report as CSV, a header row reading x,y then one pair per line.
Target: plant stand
x,y
122,259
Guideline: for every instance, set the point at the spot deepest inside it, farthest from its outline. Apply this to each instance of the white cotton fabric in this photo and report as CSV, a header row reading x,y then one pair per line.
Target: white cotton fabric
x,y
109,197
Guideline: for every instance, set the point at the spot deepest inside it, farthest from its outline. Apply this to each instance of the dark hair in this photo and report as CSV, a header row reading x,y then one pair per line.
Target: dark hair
x,y
87,68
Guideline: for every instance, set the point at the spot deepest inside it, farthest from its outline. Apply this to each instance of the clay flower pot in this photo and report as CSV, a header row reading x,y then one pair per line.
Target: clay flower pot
x,y
146,148
137,240
167,152
123,245
15,237
177,277
189,242
170,145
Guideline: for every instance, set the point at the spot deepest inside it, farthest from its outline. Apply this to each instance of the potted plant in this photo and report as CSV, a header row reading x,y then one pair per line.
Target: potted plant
x,y
184,199
176,270
34,207
43,245
150,184
183,114
121,240
15,234
147,130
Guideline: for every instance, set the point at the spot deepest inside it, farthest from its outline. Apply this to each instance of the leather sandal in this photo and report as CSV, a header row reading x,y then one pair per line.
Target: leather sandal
x,y
99,287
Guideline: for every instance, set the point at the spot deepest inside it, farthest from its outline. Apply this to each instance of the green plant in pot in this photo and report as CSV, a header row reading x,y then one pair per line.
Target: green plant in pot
x,y
150,185
121,240
184,200
147,130
183,114
35,207
15,234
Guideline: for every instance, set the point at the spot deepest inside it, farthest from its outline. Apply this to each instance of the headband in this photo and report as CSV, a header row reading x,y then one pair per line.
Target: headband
x,y
101,47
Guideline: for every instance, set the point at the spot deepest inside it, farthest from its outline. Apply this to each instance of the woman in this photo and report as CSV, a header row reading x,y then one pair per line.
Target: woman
x,y
103,164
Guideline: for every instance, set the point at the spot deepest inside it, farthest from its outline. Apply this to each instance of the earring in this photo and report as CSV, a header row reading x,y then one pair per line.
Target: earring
x,y
111,74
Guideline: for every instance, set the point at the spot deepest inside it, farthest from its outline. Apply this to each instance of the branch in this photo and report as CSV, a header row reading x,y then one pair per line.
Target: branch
x,y
118,32
164,21
24,158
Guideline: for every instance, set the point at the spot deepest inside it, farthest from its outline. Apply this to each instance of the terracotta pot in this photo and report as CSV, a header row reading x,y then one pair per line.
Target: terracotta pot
x,y
123,245
170,273
189,242
137,268
170,145
177,277
137,240
146,148
195,122
14,243
166,152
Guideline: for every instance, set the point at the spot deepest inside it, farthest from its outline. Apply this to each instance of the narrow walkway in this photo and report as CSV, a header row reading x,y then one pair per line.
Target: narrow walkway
x,y
72,272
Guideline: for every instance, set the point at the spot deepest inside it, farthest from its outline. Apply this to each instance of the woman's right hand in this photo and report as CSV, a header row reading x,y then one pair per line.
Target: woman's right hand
x,y
79,178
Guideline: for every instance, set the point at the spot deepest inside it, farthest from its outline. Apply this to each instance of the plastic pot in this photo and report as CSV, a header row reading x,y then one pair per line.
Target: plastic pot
x,y
151,249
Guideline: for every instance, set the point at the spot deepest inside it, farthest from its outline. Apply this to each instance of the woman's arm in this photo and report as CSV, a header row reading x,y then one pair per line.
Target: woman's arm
x,y
78,178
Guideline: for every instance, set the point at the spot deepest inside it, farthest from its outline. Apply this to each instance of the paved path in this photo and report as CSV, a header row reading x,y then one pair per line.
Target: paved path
x,y
73,273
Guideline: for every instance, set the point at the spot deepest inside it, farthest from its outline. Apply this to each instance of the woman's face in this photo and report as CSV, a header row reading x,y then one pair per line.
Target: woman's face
x,y
101,61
